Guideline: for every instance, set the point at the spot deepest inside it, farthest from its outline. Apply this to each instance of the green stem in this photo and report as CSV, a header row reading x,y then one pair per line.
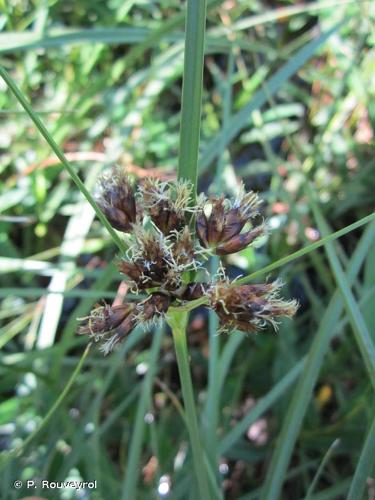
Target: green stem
x,y
60,155
192,91
178,322
188,170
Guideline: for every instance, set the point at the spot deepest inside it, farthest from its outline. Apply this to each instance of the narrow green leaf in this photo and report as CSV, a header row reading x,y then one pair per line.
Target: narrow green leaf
x,y
228,352
361,333
365,466
129,489
39,292
210,414
319,472
302,394
300,253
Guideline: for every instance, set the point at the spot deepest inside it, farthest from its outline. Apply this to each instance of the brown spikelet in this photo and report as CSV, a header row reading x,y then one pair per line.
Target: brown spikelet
x,y
239,241
104,318
220,222
249,307
117,201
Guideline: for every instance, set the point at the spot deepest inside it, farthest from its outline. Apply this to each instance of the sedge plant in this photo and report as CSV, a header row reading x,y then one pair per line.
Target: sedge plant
x,y
172,232
174,302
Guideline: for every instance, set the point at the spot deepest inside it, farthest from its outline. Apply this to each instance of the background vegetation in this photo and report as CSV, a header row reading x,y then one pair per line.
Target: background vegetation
x,y
288,107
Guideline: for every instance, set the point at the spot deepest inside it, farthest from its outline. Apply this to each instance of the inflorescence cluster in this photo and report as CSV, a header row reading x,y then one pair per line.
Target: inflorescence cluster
x,y
171,239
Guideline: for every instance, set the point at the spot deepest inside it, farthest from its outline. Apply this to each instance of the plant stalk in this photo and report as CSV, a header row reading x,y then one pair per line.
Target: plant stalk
x,y
178,322
188,170
192,92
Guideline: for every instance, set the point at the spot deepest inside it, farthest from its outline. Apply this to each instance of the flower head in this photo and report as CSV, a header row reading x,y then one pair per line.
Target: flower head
x,y
109,325
117,201
154,307
167,203
157,260
249,308
227,226
146,263
164,251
